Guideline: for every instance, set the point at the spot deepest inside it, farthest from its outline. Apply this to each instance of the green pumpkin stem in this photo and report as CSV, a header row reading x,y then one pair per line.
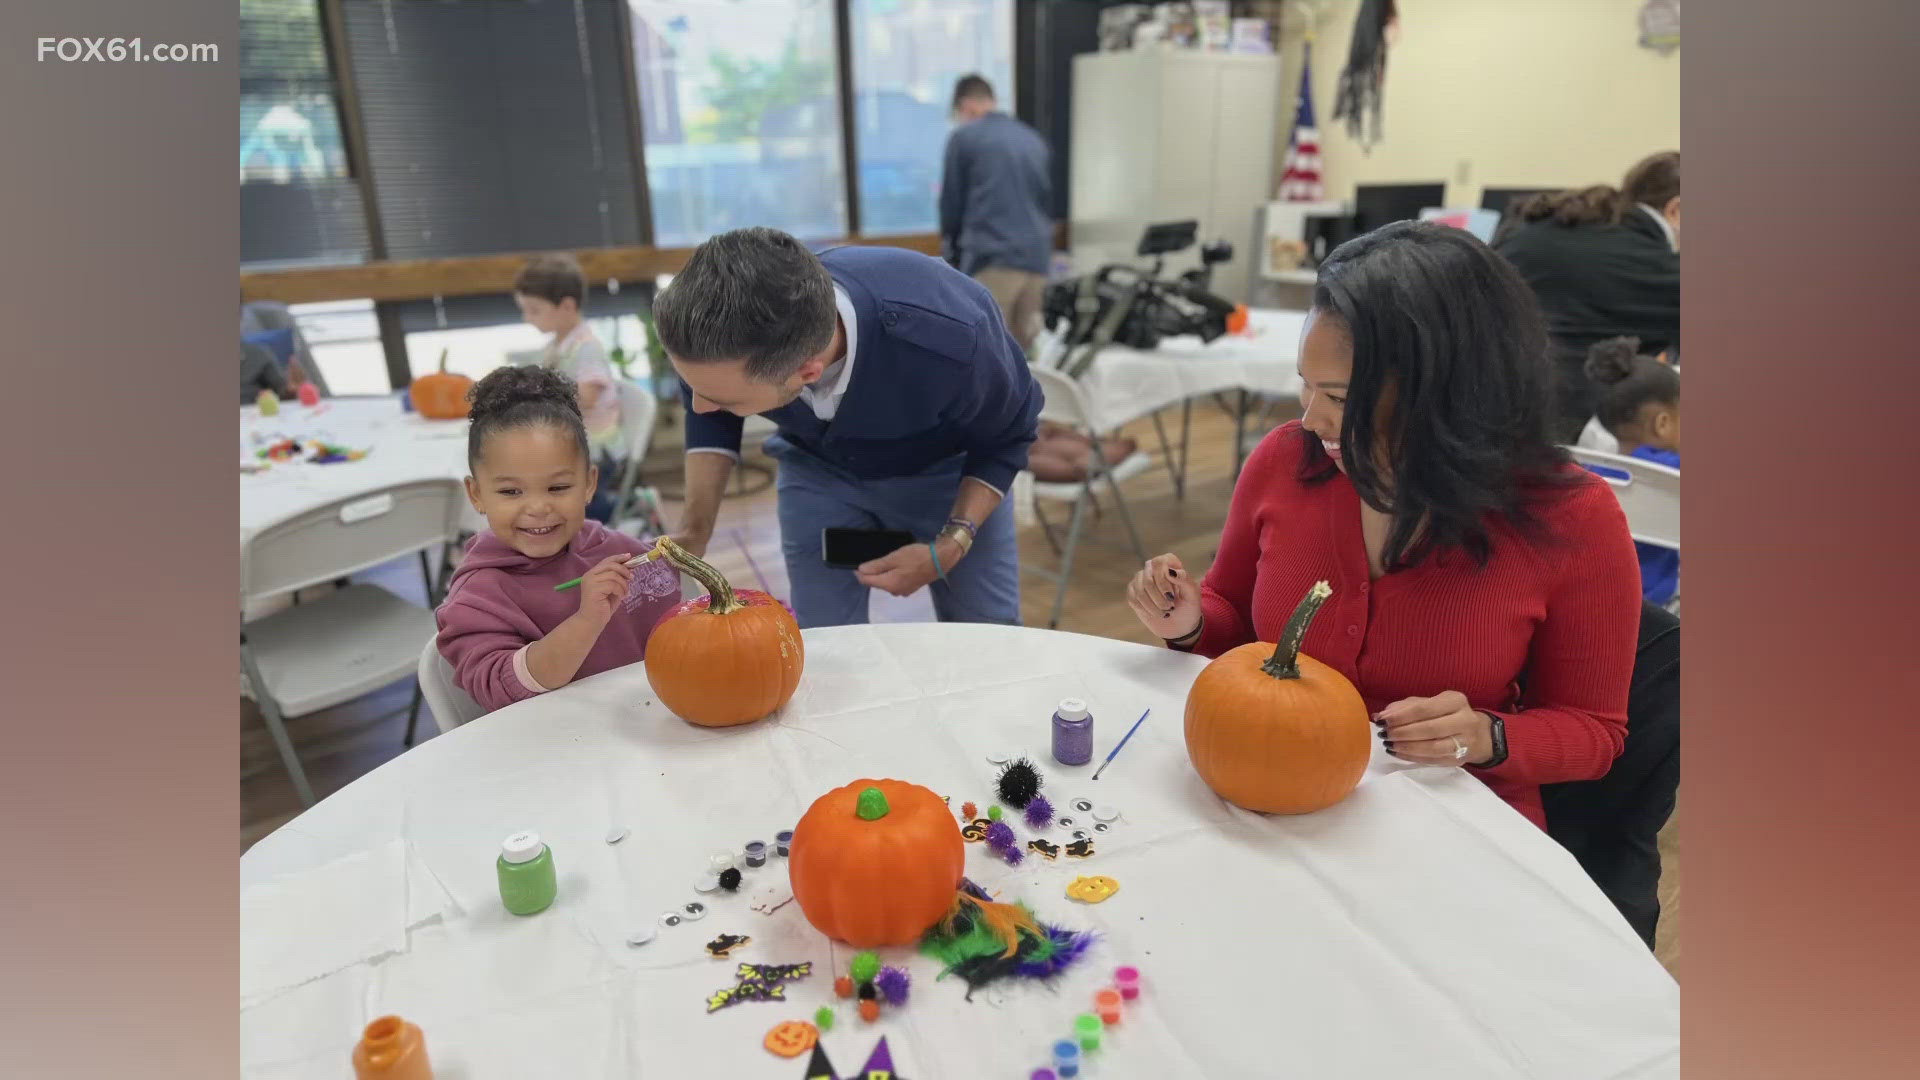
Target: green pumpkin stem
x,y
1285,661
723,601
872,805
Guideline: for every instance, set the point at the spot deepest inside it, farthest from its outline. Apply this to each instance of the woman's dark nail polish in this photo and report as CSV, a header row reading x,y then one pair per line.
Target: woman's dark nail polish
x,y
1389,748
1169,596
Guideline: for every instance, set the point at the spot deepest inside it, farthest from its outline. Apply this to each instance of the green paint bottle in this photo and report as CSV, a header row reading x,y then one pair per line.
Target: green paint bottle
x,y
525,866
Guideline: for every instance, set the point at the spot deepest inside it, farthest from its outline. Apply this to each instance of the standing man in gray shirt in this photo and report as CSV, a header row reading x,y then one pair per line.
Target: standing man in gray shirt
x,y
995,206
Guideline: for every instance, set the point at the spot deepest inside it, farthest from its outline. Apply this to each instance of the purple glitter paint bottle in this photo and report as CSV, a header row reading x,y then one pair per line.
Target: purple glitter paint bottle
x,y
1072,733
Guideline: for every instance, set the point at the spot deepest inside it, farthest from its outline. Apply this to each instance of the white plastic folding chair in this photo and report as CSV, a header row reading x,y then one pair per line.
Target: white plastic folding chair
x,y
1648,493
1066,404
351,640
450,705
638,411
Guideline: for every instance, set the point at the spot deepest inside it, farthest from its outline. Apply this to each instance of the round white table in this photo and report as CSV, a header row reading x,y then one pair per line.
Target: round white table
x,y
1420,928
401,447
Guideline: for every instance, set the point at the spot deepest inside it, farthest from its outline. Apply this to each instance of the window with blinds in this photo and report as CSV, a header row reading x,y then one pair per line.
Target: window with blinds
x,y
495,126
298,200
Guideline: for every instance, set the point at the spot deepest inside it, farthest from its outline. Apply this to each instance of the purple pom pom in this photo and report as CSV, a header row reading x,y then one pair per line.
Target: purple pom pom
x,y
1000,834
1039,812
892,982
1012,854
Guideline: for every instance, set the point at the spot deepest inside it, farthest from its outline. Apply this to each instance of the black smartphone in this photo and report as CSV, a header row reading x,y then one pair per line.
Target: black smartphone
x,y
848,548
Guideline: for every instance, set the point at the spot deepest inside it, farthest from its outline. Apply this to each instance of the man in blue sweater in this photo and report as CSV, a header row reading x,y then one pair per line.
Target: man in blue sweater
x,y
901,400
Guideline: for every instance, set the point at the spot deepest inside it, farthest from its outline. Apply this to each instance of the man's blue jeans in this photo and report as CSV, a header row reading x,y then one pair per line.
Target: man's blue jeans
x,y
816,495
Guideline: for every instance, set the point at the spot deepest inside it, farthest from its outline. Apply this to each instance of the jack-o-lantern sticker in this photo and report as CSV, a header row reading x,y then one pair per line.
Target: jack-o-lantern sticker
x,y
791,1038
1092,890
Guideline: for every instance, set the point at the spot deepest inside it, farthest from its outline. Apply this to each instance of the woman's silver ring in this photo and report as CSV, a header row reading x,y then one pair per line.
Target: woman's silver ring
x,y
1459,748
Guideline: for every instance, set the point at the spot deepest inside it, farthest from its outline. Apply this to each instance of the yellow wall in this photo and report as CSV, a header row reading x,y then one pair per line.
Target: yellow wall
x,y
1497,93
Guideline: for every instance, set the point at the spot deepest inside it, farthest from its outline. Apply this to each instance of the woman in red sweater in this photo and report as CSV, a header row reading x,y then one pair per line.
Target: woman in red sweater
x,y
1486,597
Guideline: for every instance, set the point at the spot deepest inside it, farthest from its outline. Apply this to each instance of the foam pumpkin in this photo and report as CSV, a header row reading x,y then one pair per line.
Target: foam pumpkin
x,y
441,395
1273,730
876,863
727,658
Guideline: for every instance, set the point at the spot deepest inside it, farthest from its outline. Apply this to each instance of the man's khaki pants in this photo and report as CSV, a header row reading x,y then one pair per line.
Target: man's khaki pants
x,y
1020,295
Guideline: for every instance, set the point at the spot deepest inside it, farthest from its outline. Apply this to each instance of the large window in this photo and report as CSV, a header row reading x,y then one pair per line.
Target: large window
x,y
740,109
298,202
907,54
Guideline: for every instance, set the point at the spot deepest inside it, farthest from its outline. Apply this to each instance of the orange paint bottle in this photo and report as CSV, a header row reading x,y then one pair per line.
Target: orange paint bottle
x,y
392,1049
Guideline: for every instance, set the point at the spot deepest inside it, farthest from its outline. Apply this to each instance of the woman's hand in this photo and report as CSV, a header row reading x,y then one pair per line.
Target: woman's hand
x,y
1165,598
604,587
1435,730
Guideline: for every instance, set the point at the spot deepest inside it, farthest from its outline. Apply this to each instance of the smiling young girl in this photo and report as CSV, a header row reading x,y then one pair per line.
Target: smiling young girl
x,y
504,629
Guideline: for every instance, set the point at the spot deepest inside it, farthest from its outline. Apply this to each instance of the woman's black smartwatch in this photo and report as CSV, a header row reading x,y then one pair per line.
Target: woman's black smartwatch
x,y
1498,733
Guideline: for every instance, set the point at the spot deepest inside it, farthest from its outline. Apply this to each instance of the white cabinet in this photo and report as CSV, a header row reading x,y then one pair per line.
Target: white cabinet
x,y
1169,136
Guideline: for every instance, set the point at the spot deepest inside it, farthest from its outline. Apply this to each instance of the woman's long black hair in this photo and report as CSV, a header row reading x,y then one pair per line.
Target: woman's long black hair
x,y
1451,340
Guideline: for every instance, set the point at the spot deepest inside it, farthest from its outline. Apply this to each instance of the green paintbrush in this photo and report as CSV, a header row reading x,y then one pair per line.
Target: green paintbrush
x,y
631,563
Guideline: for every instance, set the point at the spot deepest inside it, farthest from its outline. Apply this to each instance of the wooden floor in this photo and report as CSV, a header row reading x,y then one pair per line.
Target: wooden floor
x,y
345,742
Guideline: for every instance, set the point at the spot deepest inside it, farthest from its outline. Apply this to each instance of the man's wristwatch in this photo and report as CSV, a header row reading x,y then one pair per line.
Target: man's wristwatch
x,y
1497,731
960,532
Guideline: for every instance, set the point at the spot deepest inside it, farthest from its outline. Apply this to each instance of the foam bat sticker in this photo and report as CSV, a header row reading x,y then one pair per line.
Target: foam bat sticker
x,y
1080,849
725,944
1044,849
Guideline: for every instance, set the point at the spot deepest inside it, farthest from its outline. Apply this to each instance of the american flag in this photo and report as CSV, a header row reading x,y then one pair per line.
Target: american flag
x,y
1300,182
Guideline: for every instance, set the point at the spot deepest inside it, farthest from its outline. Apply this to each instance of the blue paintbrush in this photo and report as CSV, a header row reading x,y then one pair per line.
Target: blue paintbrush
x,y
1123,741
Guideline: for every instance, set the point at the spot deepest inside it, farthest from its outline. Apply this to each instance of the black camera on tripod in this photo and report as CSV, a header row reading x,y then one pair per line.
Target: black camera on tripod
x,y
1125,305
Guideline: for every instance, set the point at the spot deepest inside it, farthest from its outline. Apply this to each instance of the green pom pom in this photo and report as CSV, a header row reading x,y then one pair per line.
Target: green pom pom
x,y
872,805
865,967
993,813
824,1018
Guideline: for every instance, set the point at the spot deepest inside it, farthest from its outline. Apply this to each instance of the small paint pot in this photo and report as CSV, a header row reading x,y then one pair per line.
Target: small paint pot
x,y
783,842
1106,1003
1128,980
1087,1026
756,853
1066,1057
1044,1074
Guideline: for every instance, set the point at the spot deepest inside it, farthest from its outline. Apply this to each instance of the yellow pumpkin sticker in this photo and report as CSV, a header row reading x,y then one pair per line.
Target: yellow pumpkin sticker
x,y
1092,890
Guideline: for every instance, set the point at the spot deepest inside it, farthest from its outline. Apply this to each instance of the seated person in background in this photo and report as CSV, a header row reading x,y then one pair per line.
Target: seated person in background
x,y
552,293
260,371
1603,262
504,629
1640,407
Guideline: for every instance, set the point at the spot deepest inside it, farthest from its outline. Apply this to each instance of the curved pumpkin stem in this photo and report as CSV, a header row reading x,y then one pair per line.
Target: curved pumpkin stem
x,y
724,601
1285,661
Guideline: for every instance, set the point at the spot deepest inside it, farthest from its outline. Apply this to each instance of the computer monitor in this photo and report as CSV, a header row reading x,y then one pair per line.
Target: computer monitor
x,y
1375,205
1501,199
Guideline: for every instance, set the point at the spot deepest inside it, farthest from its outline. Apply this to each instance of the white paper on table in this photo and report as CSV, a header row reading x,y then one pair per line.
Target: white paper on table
x,y
367,900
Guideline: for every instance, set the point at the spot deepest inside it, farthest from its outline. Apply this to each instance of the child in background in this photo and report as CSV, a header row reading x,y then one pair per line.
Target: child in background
x,y
1640,407
504,629
552,294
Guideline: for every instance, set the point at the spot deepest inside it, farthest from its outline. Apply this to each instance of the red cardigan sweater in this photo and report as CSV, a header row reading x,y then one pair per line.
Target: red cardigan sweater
x,y
1560,613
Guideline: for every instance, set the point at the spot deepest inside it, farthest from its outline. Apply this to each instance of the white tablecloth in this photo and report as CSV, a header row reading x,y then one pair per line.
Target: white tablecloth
x,y
1124,384
1420,928
402,447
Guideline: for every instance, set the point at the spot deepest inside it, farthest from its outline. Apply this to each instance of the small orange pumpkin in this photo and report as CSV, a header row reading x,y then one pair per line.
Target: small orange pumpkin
x,y
727,658
441,395
876,862
791,1038
1274,730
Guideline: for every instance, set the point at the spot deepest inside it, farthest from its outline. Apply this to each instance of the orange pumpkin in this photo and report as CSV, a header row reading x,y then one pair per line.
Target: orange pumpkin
x,y
876,862
1274,730
727,658
791,1038
441,395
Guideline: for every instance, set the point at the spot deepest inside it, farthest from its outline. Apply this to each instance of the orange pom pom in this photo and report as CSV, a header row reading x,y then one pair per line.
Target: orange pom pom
x,y
843,986
870,1010
969,811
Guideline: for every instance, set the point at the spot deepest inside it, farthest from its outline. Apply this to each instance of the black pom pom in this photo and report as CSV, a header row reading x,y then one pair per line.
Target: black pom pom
x,y
1019,782
730,878
866,991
